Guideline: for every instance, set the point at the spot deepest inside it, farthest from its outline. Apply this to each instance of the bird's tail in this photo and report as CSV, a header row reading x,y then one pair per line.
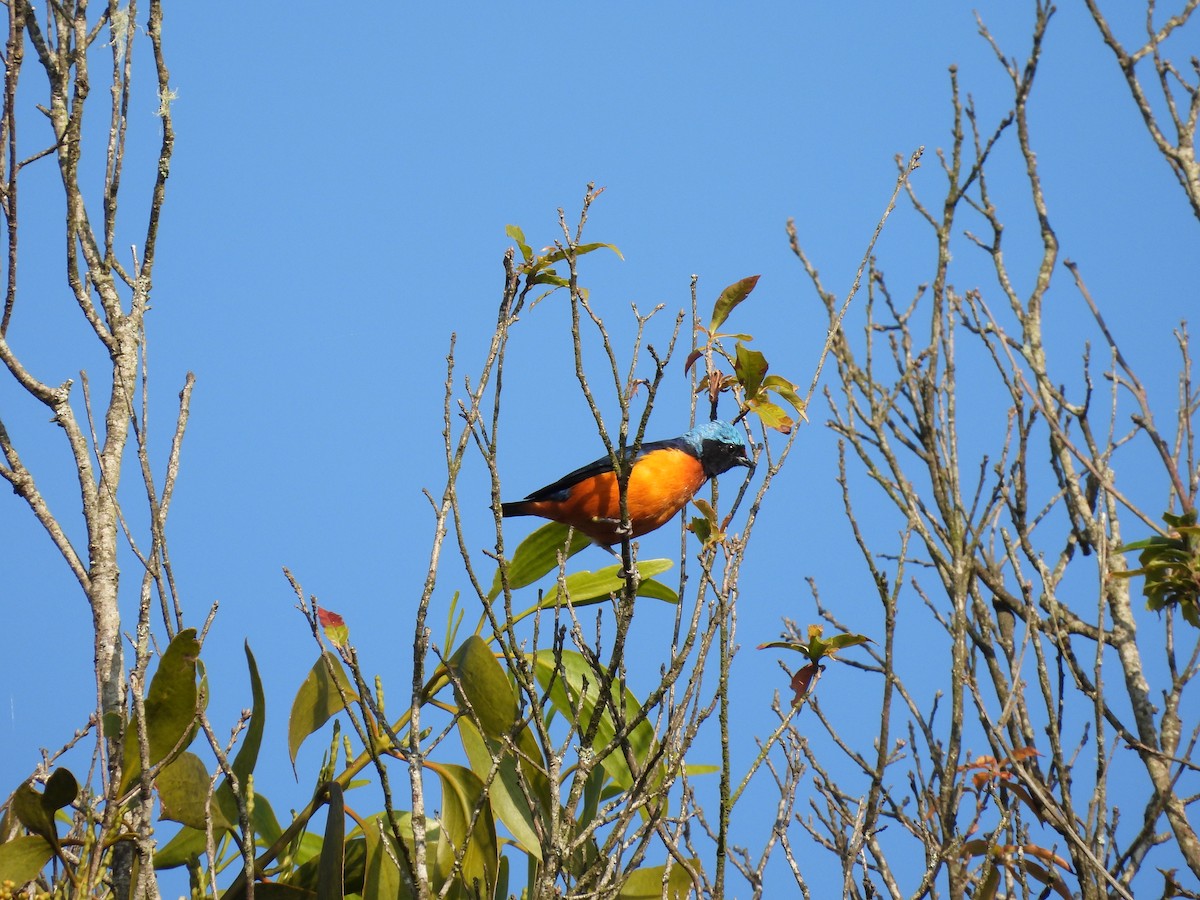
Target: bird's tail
x,y
516,508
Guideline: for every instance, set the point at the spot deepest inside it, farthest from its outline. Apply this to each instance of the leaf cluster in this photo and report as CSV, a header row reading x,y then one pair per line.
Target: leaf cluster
x,y
1170,565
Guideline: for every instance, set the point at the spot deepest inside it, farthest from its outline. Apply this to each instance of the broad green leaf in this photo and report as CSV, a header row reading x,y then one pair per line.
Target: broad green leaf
x,y
61,789
508,800
786,390
705,526
274,890
656,590
483,687
567,694
404,826
518,237
593,794
730,298
384,879
183,791
581,250
32,813
701,768
188,844
317,700
550,277
987,891
703,529
502,878
462,794
331,872
585,587
772,415
265,823
647,883
23,857
784,645
838,641
36,810
308,875
170,708
537,555
247,755
751,368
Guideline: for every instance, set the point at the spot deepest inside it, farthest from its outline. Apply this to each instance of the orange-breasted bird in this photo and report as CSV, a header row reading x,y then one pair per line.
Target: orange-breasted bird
x,y
664,477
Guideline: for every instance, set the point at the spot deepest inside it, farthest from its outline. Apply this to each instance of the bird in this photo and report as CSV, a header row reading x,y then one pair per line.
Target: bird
x,y
665,476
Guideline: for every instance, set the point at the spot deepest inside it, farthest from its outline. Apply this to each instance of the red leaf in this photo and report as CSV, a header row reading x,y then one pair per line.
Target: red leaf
x,y
329,619
334,627
803,681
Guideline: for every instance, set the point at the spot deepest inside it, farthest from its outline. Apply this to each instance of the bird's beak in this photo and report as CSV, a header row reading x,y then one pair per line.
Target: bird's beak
x,y
746,461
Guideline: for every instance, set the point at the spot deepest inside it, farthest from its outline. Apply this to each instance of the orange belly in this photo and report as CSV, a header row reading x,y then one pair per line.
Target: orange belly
x,y
660,485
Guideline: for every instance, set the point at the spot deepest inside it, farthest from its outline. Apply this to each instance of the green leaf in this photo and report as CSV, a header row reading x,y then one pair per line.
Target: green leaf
x,y
317,700
705,526
27,806
462,794
331,872
170,708
35,811
61,790
585,588
786,390
772,415
730,298
308,875
187,845
264,822
702,528
247,755
656,590
518,236
483,687
274,890
784,645
384,879
818,647
508,800
838,641
23,857
647,883
566,690
550,277
750,367
987,891
110,724
581,250
537,555
183,792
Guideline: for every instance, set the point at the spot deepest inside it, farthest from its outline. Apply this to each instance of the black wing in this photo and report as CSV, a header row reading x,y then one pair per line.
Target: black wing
x,y
560,489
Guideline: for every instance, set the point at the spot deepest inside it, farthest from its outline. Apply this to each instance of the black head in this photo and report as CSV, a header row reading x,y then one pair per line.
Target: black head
x,y
719,447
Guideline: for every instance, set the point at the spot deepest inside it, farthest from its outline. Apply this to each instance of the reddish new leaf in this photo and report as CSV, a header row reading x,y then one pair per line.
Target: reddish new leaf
x,y
803,681
334,627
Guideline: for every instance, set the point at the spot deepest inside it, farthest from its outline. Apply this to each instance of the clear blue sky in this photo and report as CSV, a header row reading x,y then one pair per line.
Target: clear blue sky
x,y
336,209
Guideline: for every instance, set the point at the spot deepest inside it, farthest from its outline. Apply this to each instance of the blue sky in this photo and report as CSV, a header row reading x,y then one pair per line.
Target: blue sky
x,y
336,209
